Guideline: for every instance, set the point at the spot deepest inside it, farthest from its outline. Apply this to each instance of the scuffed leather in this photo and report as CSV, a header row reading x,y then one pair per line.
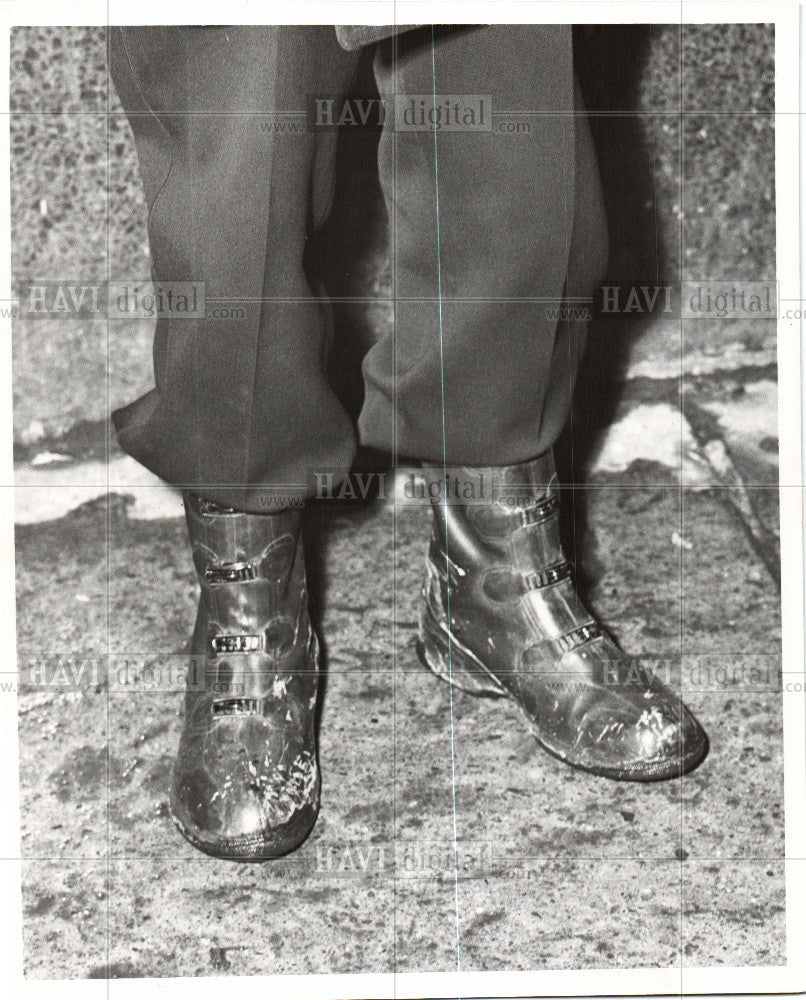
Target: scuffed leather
x,y
246,779
492,625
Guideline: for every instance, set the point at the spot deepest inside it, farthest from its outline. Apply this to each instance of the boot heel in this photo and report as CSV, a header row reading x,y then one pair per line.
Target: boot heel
x,y
451,662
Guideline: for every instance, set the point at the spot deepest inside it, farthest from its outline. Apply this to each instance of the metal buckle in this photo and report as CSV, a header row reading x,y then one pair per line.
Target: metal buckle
x,y
237,643
236,706
236,572
540,511
579,636
208,507
540,579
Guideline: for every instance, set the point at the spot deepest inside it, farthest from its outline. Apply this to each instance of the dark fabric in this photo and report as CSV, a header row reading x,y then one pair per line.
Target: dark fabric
x,y
520,218
354,36
241,410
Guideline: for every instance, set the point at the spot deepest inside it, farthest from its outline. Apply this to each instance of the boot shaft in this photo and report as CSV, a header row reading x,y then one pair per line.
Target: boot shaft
x,y
480,514
246,564
254,601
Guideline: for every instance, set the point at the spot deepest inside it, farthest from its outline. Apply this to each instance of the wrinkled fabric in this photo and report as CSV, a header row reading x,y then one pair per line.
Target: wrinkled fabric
x,y
476,365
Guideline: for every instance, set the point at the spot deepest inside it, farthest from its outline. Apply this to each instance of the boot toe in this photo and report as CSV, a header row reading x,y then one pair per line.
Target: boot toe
x,y
661,741
255,842
247,814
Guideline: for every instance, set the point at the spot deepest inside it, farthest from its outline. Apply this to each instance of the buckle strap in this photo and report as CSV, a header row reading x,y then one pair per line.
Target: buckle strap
x,y
540,579
234,572
238,643
208,507
577,637
236,706
538,512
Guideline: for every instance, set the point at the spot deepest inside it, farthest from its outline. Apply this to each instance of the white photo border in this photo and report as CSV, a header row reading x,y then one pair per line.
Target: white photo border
x,y
591,982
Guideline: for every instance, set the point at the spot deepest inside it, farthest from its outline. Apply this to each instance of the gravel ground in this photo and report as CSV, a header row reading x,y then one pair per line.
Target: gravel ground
x,y
559,869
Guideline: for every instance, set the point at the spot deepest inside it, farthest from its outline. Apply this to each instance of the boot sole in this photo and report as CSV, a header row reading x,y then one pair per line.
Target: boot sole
x,y
455,664
243,849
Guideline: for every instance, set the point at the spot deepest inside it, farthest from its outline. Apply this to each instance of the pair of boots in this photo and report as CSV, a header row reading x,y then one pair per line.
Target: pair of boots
x,y
499,617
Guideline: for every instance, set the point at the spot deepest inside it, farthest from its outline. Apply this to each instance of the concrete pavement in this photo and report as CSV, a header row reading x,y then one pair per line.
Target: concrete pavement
x,y
558,869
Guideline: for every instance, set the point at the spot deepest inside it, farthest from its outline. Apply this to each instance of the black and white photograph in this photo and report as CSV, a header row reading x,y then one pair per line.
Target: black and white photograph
x,y
401,525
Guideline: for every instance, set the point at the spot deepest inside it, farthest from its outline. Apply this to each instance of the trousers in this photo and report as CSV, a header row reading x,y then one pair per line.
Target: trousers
x,y
490,229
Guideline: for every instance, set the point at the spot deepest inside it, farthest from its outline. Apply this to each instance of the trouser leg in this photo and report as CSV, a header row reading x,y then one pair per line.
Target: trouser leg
x,y
241,411
478,362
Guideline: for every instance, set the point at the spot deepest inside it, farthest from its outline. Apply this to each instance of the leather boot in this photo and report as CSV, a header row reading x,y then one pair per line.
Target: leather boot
x,y
246,780
500,617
